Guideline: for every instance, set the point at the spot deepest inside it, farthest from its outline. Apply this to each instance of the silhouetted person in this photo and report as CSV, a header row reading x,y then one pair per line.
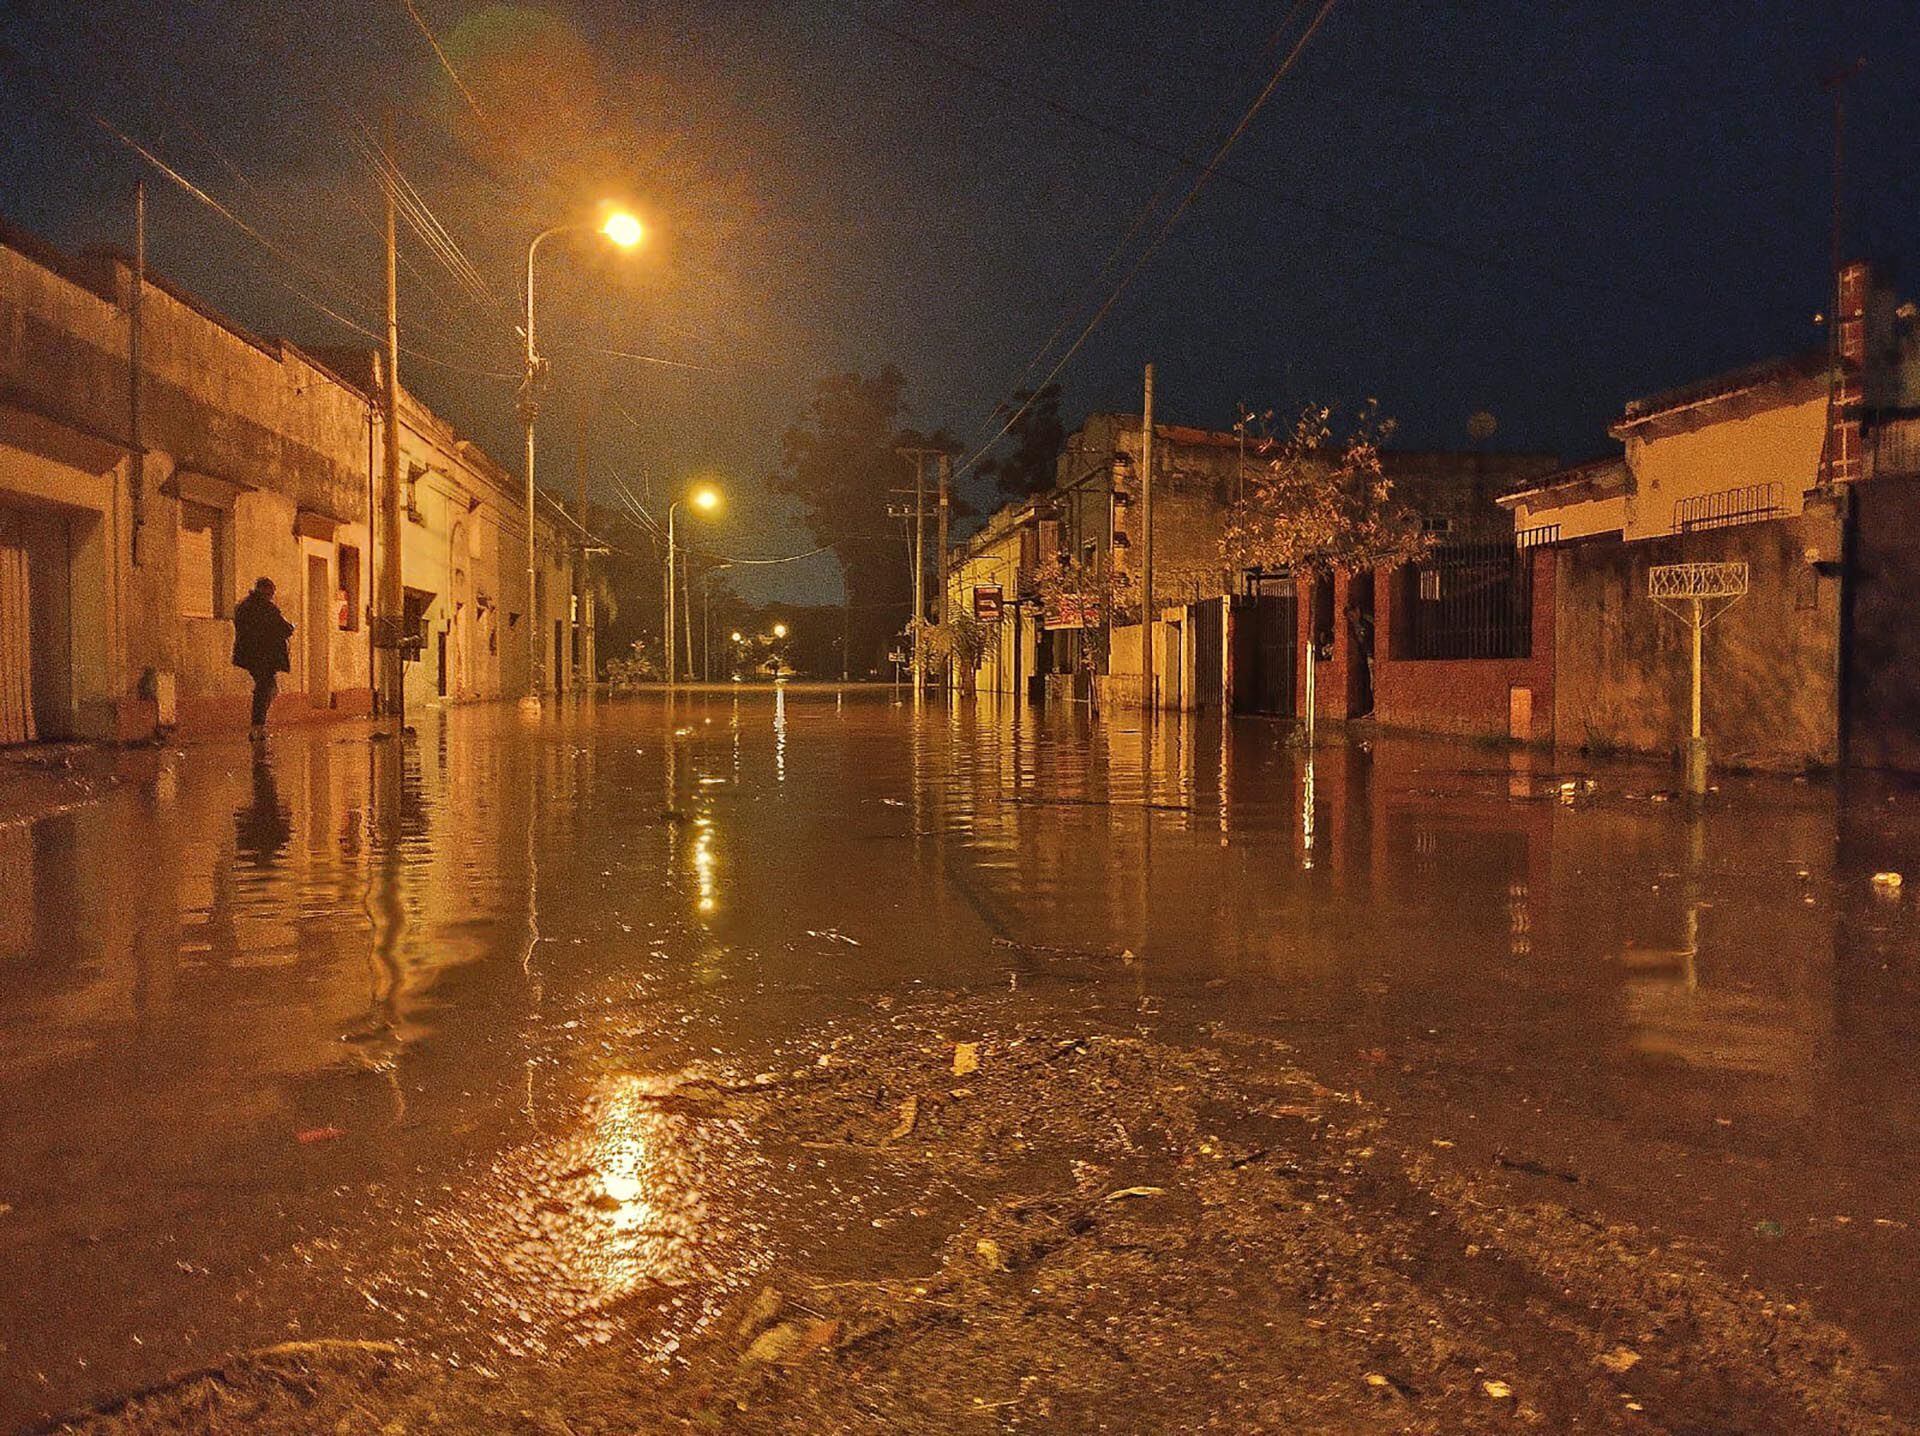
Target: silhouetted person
x,y
260,634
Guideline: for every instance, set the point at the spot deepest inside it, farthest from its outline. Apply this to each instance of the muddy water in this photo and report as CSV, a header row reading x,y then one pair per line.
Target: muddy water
x,y
365,1041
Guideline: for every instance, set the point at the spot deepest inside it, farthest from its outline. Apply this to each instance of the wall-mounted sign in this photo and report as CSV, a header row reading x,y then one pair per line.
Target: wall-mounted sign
x,y
989,599
1072,613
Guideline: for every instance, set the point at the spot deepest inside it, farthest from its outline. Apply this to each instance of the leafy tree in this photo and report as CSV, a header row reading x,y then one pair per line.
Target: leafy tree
x,y
1037,438
1321,503
840,462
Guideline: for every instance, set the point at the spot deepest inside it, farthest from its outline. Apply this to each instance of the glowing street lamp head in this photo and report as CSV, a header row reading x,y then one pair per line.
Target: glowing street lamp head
x,y
779,630
623,229
705,498
736,636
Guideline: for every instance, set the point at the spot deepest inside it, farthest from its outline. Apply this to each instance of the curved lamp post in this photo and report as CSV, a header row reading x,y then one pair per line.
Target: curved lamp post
x,y
621,229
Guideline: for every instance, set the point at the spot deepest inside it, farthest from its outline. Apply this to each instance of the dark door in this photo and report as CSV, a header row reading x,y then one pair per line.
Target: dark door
x,y
1264,630
1209,632
440,663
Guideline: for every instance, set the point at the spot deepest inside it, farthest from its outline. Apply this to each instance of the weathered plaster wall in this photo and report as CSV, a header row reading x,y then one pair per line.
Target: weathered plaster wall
x,y
1778,445
1771,661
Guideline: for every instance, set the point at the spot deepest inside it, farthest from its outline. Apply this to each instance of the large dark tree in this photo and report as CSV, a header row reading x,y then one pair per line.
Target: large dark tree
x,y
840,462
1025,463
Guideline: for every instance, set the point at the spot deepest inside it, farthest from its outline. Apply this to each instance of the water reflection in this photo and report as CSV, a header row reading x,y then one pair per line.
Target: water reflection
x,y
262,826
474,957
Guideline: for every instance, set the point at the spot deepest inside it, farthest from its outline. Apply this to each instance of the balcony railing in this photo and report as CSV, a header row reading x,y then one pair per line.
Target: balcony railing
x,y
1745,504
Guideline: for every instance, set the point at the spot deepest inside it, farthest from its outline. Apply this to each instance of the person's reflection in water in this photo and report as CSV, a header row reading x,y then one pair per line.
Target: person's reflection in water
x,y
263,825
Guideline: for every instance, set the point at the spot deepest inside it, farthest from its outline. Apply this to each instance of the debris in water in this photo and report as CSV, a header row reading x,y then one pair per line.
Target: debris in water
x,y
1125,1192
1498,1390
319,1134
1887,882
909,1114
765,1308
966,1058
1769,1229
990,1254
1620,1360
792,1341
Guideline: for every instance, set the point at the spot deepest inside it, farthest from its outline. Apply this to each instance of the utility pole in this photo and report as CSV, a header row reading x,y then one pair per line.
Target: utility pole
x,y
135,320
393,685
918,457
666,609
919,558
583,620
945,471
1147,610
1834,82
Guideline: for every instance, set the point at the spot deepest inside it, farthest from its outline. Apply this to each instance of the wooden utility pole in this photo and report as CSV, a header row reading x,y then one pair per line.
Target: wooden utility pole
x,y
1147,609
135,320
393,685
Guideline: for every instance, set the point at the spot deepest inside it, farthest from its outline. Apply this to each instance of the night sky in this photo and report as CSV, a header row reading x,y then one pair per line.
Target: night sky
x,y
1534,210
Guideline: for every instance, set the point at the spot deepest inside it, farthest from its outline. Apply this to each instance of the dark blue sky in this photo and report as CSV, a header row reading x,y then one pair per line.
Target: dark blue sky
x,y
1536,210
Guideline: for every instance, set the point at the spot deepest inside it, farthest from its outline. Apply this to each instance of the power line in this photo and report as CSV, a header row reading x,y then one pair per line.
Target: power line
x,y
445,64
314,273
1332,214
1211,168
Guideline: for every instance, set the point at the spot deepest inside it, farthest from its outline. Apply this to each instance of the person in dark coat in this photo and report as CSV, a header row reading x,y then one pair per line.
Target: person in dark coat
x,y
260,634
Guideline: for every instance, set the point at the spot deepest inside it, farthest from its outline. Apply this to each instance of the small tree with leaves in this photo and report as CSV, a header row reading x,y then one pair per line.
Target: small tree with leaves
x,y
1320,502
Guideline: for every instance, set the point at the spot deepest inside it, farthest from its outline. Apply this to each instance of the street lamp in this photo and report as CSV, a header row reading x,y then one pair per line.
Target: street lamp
x,y
623,230
706,498
779,630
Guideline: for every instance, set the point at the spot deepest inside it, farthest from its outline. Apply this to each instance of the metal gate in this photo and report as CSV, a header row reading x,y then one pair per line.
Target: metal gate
x,y
1209,627
1265,628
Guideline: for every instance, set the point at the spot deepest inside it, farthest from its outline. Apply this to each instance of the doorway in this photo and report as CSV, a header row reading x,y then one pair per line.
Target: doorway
x,y
319,636
1359,618
36,626
1265,622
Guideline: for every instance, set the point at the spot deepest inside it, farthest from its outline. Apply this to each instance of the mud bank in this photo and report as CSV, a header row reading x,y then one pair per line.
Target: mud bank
x,y
1001,1213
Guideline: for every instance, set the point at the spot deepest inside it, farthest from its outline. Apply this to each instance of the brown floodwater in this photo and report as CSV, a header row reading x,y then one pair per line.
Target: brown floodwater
x,y
361,1039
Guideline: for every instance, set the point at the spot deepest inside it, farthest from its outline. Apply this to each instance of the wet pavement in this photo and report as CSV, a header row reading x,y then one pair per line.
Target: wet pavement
x,y
369,1041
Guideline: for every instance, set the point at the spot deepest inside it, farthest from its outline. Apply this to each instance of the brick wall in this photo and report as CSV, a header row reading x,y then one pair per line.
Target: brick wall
x,y
1475,697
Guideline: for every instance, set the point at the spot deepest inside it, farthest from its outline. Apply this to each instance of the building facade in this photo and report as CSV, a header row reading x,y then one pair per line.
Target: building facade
x,y
133,519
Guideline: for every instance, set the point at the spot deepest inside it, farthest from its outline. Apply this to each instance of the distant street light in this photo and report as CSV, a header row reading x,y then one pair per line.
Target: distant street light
x,y
706,498
621,229
779,630
736,636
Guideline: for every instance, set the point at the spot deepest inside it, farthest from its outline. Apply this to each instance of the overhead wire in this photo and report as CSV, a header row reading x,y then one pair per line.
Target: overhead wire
x,y
1463,254
445,63
1280,72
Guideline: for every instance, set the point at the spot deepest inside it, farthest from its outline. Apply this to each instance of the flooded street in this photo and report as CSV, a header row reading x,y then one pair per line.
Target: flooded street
x,y
476,1048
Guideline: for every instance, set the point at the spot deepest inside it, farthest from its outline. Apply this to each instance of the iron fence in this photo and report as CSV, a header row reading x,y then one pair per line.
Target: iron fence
x,y
1744,504
1470,599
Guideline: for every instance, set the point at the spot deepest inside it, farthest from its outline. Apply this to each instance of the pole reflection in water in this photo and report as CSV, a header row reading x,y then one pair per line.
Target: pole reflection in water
x,y
779,733
1306,812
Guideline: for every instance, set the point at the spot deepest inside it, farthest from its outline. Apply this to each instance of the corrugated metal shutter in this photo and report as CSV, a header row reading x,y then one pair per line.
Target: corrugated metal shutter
x,y
16,639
